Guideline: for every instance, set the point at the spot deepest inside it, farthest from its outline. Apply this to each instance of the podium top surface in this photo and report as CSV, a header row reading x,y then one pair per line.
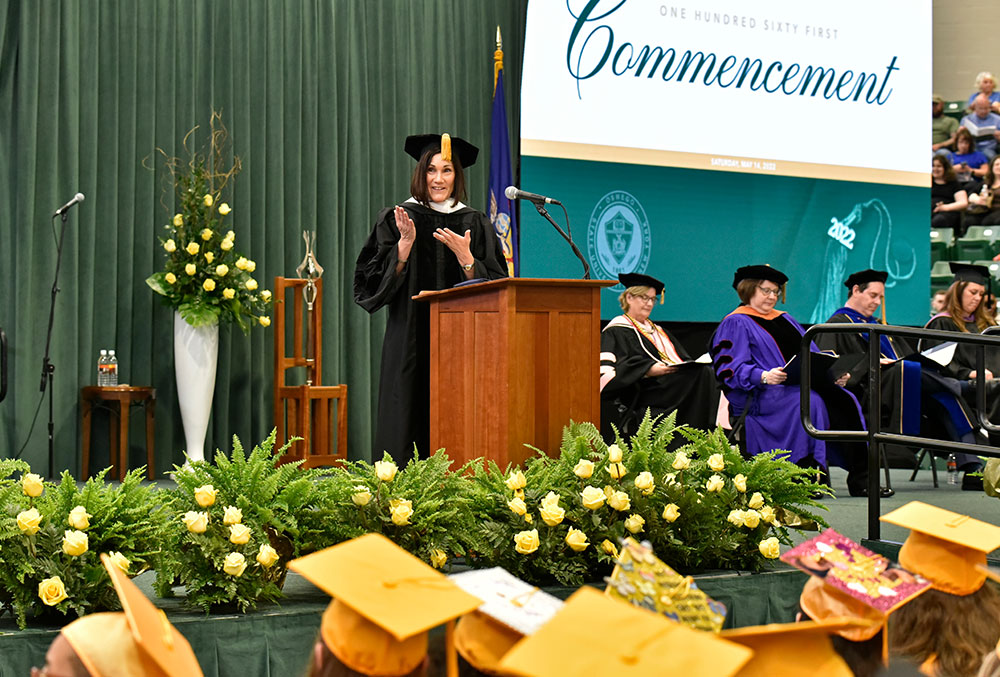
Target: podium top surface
x,y
493,285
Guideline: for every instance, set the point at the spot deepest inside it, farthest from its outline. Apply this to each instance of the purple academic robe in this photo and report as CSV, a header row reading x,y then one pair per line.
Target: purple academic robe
x,y
742,350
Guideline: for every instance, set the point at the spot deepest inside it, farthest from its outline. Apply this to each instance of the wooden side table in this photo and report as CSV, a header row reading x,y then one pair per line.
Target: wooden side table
x,y
119,400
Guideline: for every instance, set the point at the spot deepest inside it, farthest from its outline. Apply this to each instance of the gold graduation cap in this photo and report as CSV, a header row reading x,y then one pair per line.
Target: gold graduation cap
x,y
594,634
483,641
385,602
793,649
642,579
139,640
945,547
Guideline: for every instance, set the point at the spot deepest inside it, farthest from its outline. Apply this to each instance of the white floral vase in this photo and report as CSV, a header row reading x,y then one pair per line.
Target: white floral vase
x,y
196,356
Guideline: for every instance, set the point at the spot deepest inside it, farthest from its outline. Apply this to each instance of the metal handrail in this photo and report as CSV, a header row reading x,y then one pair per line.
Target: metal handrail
x,y
874,435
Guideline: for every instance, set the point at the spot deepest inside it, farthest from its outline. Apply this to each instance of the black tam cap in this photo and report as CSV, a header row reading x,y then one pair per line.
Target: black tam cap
x,y
759,273
640,280
969,273
864,277
418,144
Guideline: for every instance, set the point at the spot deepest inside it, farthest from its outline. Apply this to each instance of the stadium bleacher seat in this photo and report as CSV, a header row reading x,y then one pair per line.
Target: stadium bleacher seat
x,y
955,109
992,265
972,248
941,244
940,274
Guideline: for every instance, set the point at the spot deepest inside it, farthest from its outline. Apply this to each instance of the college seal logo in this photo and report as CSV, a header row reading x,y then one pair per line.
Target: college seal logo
x,y
618,238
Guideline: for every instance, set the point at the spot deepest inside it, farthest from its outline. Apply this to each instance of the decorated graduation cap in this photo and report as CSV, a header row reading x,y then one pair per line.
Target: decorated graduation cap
x,y
418,144
640,280
385,601
511,610
139,640
793,649
643,579
761,272
866,277
595,634
947,548
967,272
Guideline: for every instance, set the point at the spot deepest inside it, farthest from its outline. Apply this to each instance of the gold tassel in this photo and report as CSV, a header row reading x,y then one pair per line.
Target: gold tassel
x,y
663,295
497,61
446,147
883,311
451,657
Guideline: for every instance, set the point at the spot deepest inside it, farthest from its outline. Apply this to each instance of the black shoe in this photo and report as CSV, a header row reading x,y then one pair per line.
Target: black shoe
x,y
857,493
972,482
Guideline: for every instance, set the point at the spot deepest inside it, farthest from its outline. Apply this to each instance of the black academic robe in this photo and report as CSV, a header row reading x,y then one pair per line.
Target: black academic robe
x,y
964,362
626,392
403,400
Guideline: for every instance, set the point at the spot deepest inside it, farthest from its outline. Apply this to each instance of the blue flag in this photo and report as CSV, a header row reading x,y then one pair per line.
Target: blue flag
x,y
501,210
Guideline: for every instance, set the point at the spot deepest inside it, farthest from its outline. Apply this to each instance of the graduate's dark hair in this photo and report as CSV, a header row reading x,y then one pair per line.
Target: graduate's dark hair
x,y
957,630
418,183
949,171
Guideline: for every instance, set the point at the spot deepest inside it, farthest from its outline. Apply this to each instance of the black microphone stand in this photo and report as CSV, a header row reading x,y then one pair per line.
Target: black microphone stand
x,y
544,212
48,369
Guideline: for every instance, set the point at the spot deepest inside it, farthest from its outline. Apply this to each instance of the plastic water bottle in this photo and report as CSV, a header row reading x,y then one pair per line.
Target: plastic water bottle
x,y
102,369
112,369
952,469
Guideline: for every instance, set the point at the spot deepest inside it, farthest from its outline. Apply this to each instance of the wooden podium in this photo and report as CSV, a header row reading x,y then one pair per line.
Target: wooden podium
x,y
512,361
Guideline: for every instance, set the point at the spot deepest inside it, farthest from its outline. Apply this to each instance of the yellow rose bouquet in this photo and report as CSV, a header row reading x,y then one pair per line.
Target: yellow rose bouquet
x,y
235,523
51,536
205,278
423,506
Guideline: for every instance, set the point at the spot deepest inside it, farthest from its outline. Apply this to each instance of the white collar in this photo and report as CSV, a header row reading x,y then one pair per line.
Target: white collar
x,y
447,207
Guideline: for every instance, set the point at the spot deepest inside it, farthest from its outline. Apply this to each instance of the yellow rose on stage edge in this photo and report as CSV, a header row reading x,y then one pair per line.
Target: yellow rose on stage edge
x,y
768,515
735,517
226,245
205,495
526,542
192,248
681,461
385,470
251,284
361,496
190,269
209,201
241,263
79,518
438,558
576,540
609,548
239,534
401,510
635,523
119,560
620,501
516,481
29,520
265,295
206,234
751,518
716,462
770,548
170,278
209,285
222,270
178,220
584,469
592,498
756,501
617,470
224,208
645,483
170,245
232,515
228,293
251,266
265,321
671,512
209,256
234,564
740,482
550,511
614,454
714,483
517,506
75,543
52,591
196,522
266,556
32,485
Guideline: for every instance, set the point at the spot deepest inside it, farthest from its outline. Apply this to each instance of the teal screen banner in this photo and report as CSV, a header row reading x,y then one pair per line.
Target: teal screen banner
x,y
692,228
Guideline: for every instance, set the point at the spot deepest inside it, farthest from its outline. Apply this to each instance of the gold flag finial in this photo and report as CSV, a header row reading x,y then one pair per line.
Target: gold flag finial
x,y
497,60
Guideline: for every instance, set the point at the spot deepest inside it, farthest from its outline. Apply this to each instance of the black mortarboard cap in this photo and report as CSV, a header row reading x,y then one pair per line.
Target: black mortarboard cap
x,y
969,273
640,280
759,273
418,144
864,277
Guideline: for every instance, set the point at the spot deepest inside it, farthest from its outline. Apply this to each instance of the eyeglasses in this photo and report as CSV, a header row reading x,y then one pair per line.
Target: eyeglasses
x,y
645,299
769,292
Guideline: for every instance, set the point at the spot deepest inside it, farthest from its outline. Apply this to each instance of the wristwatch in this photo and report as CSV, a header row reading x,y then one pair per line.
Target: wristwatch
x,y
470,266
763,377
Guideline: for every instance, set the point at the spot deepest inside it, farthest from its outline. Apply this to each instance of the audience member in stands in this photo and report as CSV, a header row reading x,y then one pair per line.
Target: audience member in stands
x,y
948,197
749,349
916,400
967,161
644,367
937,302
983,210
985,86
984,125
943,127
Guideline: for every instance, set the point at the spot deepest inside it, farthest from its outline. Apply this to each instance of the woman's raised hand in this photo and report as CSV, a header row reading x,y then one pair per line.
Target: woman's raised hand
x,y
458,244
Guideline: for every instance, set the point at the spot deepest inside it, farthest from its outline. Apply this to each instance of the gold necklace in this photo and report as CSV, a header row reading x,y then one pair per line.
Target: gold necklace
x,y
653,336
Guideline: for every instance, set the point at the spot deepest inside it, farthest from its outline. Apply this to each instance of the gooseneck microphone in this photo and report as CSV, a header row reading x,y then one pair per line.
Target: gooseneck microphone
x,y
514,193
62,210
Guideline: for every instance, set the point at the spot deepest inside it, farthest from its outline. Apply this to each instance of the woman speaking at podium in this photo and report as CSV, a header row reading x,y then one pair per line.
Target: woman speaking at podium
x,y
432,241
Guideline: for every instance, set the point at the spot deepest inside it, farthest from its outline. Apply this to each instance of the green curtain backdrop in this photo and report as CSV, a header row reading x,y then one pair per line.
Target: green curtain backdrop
x,y
317,95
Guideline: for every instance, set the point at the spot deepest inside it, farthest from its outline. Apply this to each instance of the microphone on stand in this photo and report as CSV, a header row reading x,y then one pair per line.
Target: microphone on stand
x,y
62,210
514,193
